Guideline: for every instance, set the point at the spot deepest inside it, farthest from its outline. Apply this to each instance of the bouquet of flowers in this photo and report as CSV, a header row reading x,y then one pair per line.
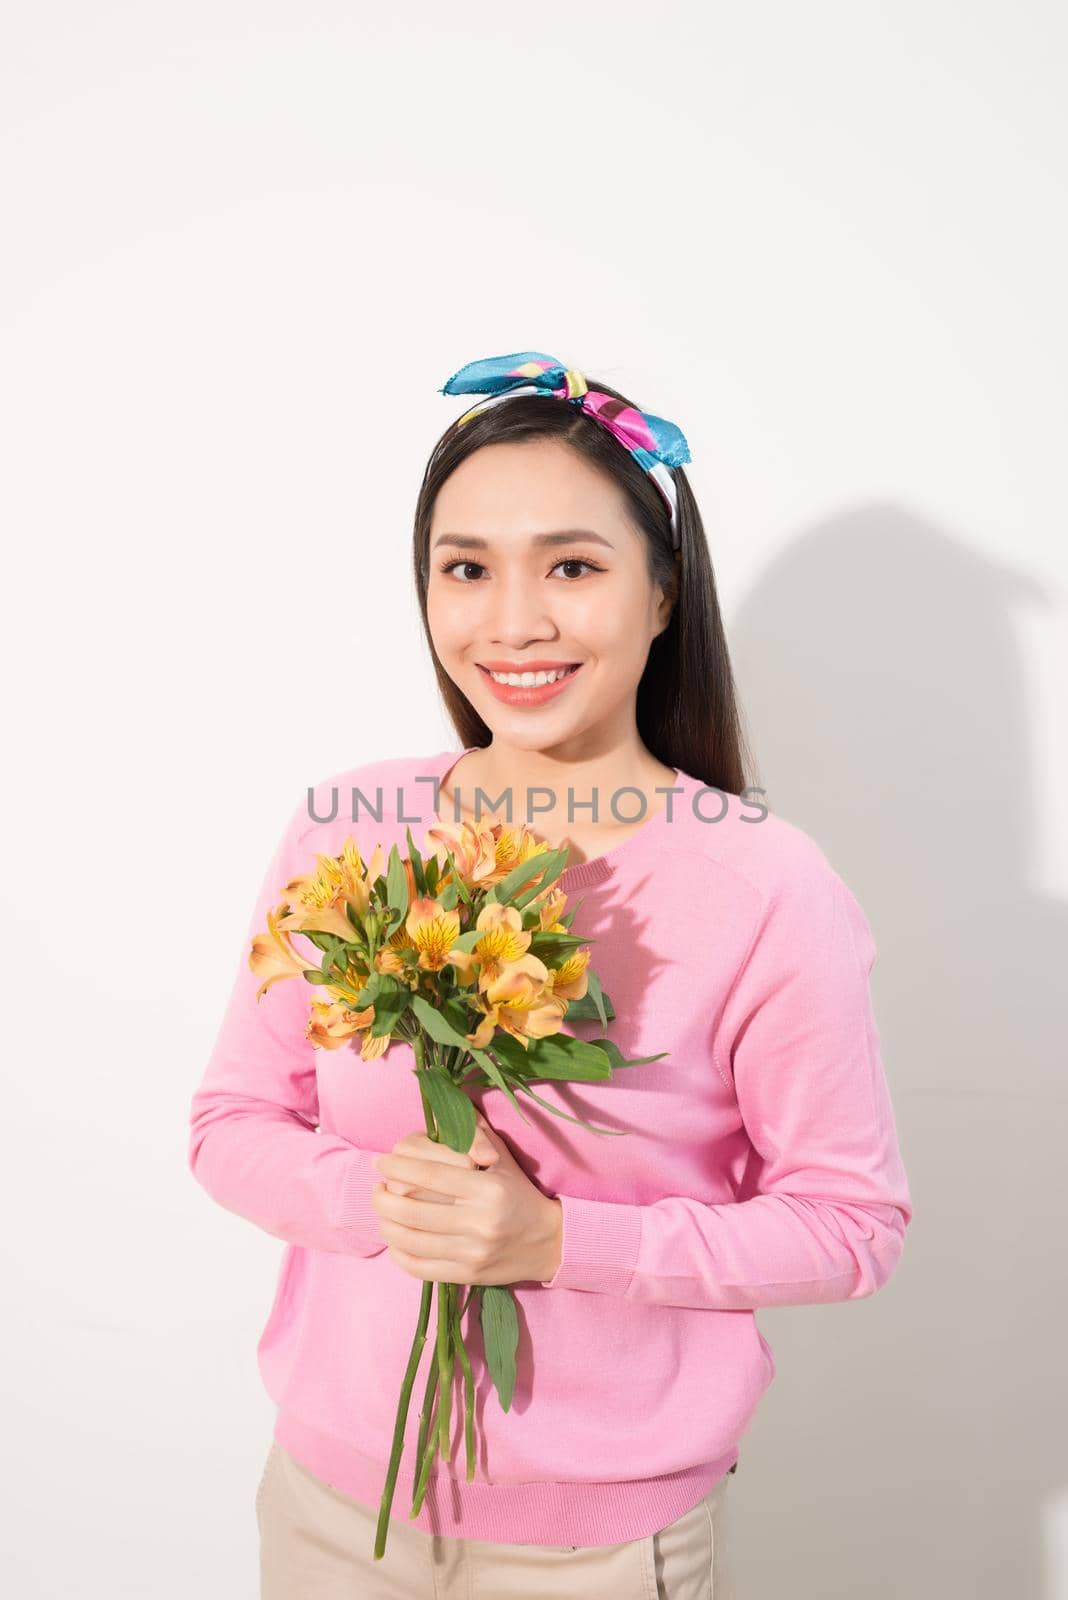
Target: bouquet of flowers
x,y
467,955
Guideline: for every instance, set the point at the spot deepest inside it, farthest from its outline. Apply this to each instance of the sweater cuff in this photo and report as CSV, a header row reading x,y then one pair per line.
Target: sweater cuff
x,y
357,1217
599,1249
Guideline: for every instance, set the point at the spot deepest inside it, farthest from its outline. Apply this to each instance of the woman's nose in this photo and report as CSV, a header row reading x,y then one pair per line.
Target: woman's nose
x,y
520,612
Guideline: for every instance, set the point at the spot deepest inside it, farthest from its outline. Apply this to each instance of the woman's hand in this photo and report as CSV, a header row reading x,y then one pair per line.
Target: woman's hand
x,y
445,1220
420,1145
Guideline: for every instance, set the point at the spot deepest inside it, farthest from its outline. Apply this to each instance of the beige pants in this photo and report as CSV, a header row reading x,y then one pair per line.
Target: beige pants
x,y
318,1544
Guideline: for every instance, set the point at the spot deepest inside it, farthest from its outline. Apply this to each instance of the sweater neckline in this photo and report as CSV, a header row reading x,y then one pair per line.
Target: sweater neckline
x,y
596,869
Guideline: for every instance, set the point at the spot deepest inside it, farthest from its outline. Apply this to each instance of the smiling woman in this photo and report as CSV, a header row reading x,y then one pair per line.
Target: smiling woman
x,y
531,596
541,612
568,601
568,553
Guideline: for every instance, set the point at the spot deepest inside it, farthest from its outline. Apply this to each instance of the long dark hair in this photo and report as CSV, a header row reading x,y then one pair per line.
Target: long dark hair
x,y
687,706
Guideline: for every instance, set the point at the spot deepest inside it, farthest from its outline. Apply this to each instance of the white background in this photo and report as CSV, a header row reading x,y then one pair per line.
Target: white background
x,y
245,246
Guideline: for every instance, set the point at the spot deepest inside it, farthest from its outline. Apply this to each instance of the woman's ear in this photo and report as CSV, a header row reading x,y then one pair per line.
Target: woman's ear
x,y
666,603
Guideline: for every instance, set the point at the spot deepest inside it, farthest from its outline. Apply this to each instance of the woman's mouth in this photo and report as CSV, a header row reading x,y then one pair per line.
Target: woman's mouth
x,y
530,688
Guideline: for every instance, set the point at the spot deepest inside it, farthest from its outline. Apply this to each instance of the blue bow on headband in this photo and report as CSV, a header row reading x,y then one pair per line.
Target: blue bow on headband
x,y
656,444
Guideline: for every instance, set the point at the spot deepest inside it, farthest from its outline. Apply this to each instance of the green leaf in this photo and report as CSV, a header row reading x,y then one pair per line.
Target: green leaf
x,y
396,889
417,863
391,1002
500,1338
495,1076
453,1111
447,897
555,862
554,948
369,993
559,1056
543,869
439,1028
593,987
618,1059
436,1023
524,1088
456,1015
586,1009
458,887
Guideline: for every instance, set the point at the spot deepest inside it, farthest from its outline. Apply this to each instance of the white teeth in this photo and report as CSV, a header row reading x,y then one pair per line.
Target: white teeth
x,y
528,680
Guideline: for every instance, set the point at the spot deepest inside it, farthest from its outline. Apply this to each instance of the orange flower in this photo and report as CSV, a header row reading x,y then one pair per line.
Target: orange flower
x,y
485,853
273,956
520,1002
570,980
433,931
551,910
473,847
504,940
515,844
333,1025
318,899
398,957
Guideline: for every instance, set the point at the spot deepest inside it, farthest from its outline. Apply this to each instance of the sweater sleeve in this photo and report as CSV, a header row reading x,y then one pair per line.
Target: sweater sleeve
x,y
798,1040
254,1143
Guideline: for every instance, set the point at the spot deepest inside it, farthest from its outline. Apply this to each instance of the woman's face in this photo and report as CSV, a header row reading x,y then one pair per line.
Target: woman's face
x,y
534,564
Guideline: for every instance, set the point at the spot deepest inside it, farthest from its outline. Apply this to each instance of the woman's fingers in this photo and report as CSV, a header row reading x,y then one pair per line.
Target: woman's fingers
x,y
425,1148
456,1181
481,1153
413,1217
420,1144
416,1193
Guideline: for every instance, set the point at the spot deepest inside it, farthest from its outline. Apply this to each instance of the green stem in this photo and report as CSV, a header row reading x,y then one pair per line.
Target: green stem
x,y
435,1415
469,1398
419,1048
401,1419
425,1465
445,1368
427,1411
414,1357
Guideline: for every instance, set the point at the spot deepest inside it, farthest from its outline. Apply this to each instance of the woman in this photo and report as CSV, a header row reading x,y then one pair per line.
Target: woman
x,y
760,1164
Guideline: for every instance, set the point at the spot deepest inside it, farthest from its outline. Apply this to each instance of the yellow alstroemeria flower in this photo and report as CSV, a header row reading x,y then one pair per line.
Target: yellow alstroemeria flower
x,y
349,984
519,1002
485,852
272,955
333,1025
433,931
516,844
503,941
570,980
317,900
550,904
391,958
473,847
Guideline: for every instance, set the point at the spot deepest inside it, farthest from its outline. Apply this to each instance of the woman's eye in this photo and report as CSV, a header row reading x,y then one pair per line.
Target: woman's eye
x,y
577,561
449,567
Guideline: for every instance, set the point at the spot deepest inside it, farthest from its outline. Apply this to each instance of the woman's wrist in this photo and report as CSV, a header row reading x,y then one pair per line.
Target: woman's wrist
x,y
554,1247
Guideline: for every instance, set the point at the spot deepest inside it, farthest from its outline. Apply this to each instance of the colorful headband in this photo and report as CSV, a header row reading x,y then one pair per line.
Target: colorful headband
x,y
655,444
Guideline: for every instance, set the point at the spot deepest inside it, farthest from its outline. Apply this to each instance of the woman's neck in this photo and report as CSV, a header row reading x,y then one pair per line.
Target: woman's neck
x,y
622,775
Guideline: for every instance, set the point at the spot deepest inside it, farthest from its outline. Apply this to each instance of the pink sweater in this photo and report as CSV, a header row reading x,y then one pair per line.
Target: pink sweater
x,y
760,1167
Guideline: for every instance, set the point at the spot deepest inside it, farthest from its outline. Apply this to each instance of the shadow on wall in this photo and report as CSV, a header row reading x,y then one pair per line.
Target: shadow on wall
x,y
914,1442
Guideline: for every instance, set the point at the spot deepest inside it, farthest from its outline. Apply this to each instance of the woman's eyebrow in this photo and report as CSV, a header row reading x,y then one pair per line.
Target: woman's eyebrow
x,y
470,541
